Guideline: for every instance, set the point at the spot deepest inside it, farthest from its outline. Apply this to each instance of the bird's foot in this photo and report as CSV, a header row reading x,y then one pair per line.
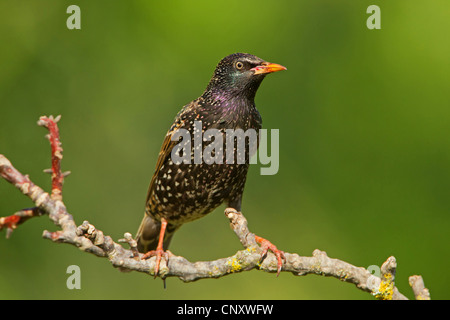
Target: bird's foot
x,y
158,253
267,245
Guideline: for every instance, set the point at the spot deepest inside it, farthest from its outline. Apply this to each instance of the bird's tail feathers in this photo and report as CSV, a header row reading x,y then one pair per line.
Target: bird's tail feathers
x,y
147,236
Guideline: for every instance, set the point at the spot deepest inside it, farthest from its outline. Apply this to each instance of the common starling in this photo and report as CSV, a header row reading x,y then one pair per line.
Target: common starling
x,y
183,192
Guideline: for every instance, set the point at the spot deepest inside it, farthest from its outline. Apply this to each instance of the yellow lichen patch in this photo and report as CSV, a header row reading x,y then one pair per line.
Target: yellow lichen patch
x,y
386,289
421,297
234,264
215,272
251,249
342,275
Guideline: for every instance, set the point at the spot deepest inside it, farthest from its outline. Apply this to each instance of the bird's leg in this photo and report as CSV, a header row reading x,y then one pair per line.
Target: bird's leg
x,y
159,252
267,245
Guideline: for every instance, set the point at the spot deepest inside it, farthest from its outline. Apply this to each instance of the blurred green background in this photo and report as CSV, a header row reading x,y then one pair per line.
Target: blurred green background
x,y
364,137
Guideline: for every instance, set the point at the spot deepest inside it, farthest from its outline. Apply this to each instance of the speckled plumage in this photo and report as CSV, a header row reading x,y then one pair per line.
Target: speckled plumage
x,y
180,193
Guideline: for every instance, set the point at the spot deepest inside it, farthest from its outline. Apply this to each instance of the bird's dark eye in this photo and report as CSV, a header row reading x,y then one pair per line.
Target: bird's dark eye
x,y
239,65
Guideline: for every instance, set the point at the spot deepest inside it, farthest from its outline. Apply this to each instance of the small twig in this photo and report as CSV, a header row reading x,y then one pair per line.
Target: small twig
x,y
11,222
418,287
12,175
57,177
128,238
386,288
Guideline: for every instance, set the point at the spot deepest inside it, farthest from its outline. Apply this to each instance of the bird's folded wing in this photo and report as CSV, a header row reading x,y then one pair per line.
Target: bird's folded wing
x,y
168,145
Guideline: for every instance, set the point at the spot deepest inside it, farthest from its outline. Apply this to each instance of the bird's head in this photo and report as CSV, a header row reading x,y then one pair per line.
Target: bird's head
x,y
240,74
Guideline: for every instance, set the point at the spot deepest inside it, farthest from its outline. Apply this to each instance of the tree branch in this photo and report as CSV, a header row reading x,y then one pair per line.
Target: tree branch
x,y
90,239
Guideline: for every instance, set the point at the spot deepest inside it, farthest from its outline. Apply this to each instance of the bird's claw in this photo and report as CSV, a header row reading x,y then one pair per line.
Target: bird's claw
x,y
158,253
266,245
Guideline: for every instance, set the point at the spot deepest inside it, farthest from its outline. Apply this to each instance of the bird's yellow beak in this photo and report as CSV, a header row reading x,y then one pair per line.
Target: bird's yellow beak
x,y
267,67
